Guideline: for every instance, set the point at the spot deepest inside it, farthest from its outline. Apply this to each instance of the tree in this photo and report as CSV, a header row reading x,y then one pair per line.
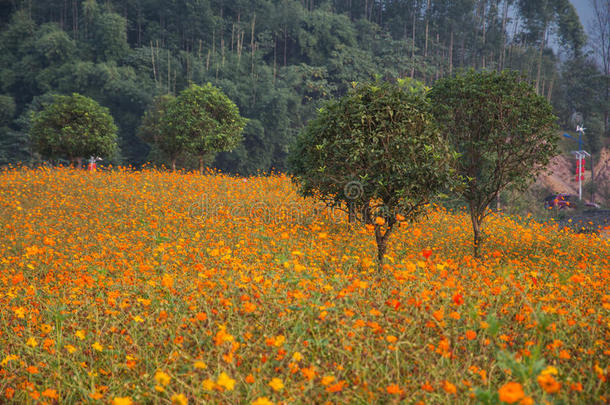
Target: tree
x,y
205,119
376,152
107,32
151,131
9,139
503,130
74,127
600,41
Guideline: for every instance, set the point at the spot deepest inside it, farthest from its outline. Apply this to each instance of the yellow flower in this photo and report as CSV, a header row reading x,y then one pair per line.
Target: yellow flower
x,y
20,312
200,365
208,384
226,382
8,358
297,356
550,370
97,346
32,342
122,401
162,378
262,401
71,349
80,334
179,399
327,379
276,384
279,340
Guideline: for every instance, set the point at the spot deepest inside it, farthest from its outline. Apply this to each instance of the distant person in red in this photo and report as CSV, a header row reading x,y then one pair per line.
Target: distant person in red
x,y
93,163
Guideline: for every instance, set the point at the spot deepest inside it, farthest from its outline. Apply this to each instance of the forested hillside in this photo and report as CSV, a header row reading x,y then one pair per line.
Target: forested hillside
x,y
277,59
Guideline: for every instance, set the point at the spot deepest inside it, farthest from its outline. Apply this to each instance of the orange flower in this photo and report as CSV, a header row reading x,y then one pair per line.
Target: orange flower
x,y
449,388
471,335
309,373
167,281
249,307
179,399
9,393
327,379
576,387
458,299
122,401
50,393
427,387
336,387
548,383
32,369
393,389
511,392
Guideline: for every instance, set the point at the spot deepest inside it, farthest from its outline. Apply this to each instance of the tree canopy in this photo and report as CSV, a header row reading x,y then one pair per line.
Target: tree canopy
x,y
73,127
203,121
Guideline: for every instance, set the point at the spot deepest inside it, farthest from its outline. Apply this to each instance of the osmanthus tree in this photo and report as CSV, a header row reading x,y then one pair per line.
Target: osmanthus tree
x,y
204,120
74,127
375,152
504,132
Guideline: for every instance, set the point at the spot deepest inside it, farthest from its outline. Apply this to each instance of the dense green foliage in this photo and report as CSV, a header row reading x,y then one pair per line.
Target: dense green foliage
x,y
277,59
504,132
202,121
73,127
375,152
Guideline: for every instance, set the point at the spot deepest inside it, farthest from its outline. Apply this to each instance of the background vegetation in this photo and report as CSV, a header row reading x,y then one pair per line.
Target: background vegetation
x,y
277,60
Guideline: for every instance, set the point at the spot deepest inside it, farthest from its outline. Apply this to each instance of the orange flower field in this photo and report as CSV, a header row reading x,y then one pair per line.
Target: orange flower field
x,y
125,287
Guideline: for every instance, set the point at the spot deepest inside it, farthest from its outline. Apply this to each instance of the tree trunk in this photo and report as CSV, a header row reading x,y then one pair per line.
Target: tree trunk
x,y
351,215
413,47
451,54
504,20
274,57
174,164
252,43
484,32
285,43
476,228
201,166
427,25
540,60
382,242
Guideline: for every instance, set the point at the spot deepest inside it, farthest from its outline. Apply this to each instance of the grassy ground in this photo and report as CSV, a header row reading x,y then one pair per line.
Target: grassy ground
x,y
153,287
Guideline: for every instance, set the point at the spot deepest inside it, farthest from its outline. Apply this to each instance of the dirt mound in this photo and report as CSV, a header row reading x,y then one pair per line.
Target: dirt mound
x,y
602,166
559,177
